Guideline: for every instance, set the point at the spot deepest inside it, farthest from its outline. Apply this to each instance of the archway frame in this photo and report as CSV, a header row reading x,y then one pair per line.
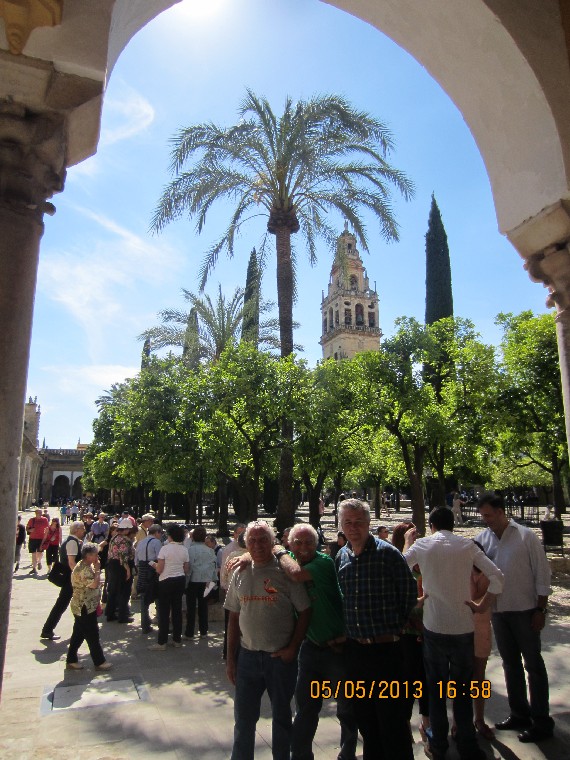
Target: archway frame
x,y
504,63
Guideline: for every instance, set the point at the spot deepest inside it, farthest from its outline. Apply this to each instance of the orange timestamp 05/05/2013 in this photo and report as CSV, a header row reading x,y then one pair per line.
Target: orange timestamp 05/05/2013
x,y
366,689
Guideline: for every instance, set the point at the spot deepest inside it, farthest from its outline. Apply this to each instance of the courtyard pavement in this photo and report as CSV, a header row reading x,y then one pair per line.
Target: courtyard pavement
x,y
178,703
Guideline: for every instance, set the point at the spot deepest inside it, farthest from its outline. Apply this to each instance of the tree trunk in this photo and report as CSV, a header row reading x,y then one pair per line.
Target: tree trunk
x,y
201,496
557,489
254,510
285,506
285,503
190,515
223,502
414,471
314,496
377,495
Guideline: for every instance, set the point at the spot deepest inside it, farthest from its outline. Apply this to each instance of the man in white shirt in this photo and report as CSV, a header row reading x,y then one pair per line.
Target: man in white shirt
x,y
519,617
446,561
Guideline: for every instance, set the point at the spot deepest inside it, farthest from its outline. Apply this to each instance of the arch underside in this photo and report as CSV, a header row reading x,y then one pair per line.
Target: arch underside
x,y
504,63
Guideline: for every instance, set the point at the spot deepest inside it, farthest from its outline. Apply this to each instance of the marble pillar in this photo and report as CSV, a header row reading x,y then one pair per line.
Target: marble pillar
x,y
32,169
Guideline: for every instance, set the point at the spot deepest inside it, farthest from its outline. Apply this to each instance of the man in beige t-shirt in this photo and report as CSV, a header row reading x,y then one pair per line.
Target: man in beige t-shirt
x,y
272,613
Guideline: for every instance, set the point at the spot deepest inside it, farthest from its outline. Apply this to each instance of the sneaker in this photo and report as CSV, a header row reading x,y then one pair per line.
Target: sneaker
x,y
157,648
188,636
33,571
177,644
104,666
73,666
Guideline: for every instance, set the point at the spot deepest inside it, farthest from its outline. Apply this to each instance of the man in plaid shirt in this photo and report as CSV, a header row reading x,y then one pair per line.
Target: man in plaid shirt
x,y
379,593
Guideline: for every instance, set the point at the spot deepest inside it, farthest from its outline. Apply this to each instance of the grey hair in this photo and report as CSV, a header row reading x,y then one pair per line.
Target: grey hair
x,y
353,505
260,524
305,528
89,548
155,528
75,526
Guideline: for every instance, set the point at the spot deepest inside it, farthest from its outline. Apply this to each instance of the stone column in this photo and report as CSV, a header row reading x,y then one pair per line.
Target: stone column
x,y
552,267
32,169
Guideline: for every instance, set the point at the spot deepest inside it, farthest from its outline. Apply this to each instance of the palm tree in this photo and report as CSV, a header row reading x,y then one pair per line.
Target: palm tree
x,y
207,328
320,155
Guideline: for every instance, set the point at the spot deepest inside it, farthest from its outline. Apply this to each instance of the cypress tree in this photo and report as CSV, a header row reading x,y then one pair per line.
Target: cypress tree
x,y
250,324
439,296
191,347
145,357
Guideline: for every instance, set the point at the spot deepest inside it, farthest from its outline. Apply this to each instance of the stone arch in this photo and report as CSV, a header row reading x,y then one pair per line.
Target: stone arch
x,y
77,489
489,57
60,488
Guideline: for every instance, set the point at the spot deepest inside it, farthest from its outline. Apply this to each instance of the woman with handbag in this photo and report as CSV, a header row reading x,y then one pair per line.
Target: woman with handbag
x,y
85,605
51,542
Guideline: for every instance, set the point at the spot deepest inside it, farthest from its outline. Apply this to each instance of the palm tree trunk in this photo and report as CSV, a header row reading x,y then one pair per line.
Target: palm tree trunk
x,y
285,505
284,288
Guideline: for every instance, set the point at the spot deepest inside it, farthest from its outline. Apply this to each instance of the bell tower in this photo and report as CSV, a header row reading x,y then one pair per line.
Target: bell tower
x,y
350,320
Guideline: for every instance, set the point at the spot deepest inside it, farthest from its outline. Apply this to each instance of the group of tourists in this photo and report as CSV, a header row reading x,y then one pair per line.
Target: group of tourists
x,y
385,624
374,623
167,565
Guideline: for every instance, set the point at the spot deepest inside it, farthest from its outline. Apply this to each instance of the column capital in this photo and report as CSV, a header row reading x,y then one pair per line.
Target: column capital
x,y
544,243
32,159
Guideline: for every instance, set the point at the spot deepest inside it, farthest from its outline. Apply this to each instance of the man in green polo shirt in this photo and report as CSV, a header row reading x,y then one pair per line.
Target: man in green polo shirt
x,y
321,662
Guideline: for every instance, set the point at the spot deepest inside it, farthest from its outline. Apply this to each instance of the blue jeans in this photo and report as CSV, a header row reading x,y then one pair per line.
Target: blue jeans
x,y
321,664
256,672
450,658
517,642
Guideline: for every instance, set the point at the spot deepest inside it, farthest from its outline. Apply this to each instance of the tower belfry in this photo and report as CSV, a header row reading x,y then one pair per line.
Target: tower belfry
x,y
349,311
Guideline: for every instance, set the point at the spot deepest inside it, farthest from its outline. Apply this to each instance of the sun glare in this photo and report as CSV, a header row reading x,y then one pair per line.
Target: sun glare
x,y
201,10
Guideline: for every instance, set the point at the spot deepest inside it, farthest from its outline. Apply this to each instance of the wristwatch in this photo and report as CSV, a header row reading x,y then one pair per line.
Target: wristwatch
x,y
280,553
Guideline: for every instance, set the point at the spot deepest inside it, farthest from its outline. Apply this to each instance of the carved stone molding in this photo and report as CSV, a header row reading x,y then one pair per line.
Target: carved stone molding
x,y
21,17
32,160
544,244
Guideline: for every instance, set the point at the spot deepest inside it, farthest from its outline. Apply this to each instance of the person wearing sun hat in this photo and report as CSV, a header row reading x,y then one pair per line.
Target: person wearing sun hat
x,y
146,521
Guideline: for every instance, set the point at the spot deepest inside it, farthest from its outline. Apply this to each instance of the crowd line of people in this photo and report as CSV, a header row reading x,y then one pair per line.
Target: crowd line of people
x,y
376,622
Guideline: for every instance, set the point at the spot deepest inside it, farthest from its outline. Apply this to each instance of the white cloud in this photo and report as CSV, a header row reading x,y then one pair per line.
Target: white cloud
x,y
98,282
88,381
125,114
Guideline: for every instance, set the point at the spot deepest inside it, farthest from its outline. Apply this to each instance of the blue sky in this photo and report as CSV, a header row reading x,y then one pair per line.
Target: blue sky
x,y
103,277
